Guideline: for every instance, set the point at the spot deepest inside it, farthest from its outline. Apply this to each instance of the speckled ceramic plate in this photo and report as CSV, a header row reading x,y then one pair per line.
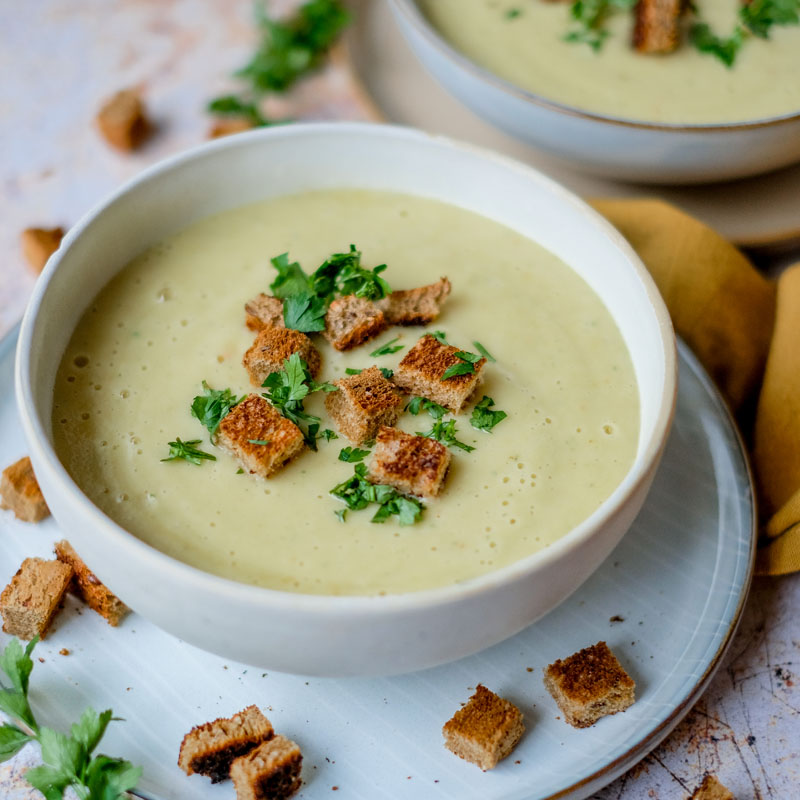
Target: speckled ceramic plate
x,y
667,601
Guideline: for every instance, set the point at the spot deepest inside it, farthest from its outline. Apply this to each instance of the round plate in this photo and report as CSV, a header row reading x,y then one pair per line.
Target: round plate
x,y
667,601
760,213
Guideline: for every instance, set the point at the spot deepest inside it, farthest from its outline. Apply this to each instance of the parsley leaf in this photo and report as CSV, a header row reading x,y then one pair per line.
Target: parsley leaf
x,y
213,405
352,454
465,367
484,352
483,418
706,41
188,452
387,349
758,16
12,740
328,434
417,404
341,514
262,442
357,493
513,13
440,337
343,273
445,432
591,16
304,312
231,105
387,373
291,278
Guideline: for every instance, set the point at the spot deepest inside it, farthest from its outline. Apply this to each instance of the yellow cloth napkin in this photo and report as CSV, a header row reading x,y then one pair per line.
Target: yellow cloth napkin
x,y
746,331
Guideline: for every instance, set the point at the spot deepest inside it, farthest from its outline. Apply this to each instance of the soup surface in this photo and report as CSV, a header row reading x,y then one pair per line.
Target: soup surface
x,y
174,317
685,86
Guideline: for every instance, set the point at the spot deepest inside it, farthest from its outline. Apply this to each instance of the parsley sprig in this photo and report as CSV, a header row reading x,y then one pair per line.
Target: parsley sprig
x,y
483,417
466,366
388,348
387,373
417,404
188,452
357,493
213,406
352,454
68,760
591,17
445,432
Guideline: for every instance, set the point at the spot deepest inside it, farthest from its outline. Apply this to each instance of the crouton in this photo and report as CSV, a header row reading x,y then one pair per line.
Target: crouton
x,y
226,126
423,366
32,597
485,730
89,588
411,464
415,306
363,404
254,421
38,244
122,120
20,492
588,685
264,311
272,347
655,29
351,321
211,748
269,772
711,789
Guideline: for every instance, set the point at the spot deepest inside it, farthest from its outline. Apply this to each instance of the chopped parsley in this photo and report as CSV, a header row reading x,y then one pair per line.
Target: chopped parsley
x,y
291,278
591,16
188,452
417,404
388,348
213,406
440,337
304,312
483,418
445,432
343,273
357,493
387,373
484,352
513,13
352,454
262,442
230,105
328,434
464,367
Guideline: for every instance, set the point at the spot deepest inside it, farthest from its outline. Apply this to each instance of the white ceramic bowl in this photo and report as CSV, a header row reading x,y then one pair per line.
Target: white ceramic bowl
x,y
603,144
339,635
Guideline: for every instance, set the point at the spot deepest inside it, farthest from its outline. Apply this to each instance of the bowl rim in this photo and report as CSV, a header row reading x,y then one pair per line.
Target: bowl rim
x,y
326,605
414,17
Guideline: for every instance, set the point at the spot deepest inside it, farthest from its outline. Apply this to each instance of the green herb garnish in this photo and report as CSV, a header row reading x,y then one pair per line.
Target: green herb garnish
x,y
417,404
445,432
464,367
440,337
328,434
212,406
388,348
484,352
387,373
357,493
343,273
188,452
513,13
291,278
591,16
483,418
341,514
67,759
262,442
352,454
304,312
230,105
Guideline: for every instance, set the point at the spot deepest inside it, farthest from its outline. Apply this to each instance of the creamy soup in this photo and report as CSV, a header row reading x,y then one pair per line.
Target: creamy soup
x,y
174,317
685,86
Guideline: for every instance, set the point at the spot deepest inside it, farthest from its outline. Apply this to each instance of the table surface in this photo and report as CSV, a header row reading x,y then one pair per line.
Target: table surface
x,y
61,58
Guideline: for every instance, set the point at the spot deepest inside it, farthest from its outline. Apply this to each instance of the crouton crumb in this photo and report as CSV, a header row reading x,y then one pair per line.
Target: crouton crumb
x,y
123,122
20,492
38,244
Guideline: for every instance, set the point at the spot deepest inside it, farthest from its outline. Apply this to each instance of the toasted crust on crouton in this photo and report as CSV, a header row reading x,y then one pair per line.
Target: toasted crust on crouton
x,y
122,120
351,321
89,588
655,29
255,420
32,597
226,126
211,748
712,789
588,685
363,404
38,244
415,306
485,730
269,772
411,464
272,347
421,370
20,492
264,311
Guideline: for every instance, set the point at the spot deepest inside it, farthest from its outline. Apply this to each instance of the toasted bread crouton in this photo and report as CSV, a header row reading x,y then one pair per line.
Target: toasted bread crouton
x,y
421,370
253,421
122,120
655,29
89,588
38,244
351,321
269,772
411,464
415,306
264,311
209,749
485,730
589,684
272,347
20,492
31,599
226,126
711,789
363,404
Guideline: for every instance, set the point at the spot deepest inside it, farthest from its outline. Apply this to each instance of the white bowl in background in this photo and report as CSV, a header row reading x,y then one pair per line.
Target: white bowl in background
x,y
313,634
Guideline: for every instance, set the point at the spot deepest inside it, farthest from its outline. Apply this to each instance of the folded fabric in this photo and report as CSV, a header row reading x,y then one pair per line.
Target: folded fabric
x,y
745,330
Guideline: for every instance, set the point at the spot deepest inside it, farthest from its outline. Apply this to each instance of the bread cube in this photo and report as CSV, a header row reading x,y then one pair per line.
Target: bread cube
x,y
211,748
38,244
711,789
32,597
423,367
264,311
411,464
252,422
363,404
269,772
656,27
415,306
20,492
588,685
272,347
351,321
89,588
122,120
485,730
